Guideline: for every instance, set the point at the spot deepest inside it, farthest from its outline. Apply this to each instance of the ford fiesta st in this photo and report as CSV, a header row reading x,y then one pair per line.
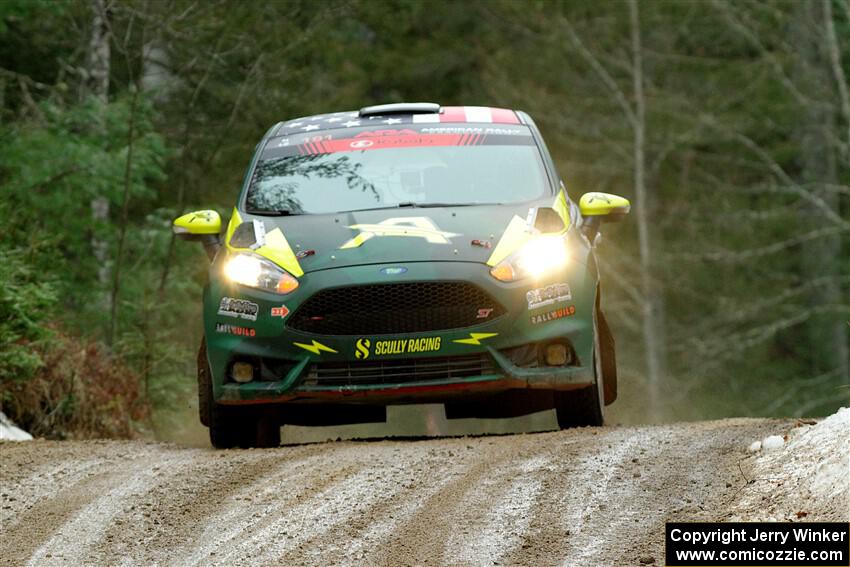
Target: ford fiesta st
x,y
405,253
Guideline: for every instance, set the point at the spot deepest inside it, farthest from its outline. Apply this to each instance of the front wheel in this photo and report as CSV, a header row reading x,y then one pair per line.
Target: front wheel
x,y
585,407
238,427
233,427
579,408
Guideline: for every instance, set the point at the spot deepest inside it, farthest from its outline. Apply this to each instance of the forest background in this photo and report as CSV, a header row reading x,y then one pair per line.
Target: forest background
x,y
727,123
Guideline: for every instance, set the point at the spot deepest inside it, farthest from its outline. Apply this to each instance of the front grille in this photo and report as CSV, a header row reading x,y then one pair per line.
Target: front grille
x,y
383,309
398,371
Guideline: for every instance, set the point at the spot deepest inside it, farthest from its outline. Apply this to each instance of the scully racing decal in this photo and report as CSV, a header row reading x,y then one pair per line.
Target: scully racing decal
x,y
241,308
315,347
281,311
475,338
234,330
413,227
364,348
559,313
555,293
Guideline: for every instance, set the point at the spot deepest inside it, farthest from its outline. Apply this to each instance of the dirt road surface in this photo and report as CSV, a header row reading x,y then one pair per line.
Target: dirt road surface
x,y
579,497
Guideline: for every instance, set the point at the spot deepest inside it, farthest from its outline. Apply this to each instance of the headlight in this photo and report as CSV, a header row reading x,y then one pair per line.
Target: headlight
x,y
535,259
259,273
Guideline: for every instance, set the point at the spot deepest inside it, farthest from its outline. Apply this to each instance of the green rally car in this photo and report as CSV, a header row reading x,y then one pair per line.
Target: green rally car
x,y
405,253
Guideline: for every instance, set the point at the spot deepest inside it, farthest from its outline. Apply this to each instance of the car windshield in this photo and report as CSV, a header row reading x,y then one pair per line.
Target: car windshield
x,y
343,170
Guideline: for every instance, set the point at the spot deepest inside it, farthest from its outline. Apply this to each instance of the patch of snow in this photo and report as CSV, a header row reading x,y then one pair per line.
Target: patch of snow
x,y
11,432
797,431
829,440
772,443
754,447
811,476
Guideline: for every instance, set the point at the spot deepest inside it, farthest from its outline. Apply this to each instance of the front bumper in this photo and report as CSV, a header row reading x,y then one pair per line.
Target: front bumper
x,y
285,358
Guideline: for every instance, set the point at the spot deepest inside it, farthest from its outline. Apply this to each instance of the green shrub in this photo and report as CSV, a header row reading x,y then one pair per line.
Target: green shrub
x,y
27,304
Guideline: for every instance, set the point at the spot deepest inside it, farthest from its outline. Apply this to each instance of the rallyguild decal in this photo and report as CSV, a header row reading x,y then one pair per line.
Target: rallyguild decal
x,y
555,293
231,307
281,311
363,347
234,330
559,313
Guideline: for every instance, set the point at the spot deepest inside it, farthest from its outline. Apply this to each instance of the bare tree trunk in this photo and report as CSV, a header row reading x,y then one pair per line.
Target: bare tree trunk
x,y
652,306
96,84
181,192
96,81
818,135
834,50
122,235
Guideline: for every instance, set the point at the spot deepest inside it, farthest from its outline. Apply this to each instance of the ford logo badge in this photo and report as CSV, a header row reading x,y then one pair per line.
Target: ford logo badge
x,y
393,271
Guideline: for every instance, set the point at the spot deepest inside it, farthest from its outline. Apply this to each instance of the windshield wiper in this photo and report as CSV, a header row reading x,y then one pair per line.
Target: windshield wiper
x,y
406,204
412,205
436,205
271,213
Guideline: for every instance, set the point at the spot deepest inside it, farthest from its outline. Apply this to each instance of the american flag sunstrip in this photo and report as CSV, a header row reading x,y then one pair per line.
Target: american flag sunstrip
x,y
447,114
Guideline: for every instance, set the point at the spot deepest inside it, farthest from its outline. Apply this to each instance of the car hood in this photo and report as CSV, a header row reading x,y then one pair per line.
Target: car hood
x,y
396,236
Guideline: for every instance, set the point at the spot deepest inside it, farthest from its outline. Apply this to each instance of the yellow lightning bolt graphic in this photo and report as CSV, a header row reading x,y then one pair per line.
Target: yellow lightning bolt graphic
x,y
475,338
315,348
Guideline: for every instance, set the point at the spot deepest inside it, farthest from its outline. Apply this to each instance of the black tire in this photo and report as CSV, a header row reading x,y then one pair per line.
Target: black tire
x,y
608,360
233,427
267,432
243,427
579,408
584,407
227,430
204,385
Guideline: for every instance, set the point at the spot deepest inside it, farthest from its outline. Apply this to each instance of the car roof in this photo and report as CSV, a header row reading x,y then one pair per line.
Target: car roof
x,y
401,113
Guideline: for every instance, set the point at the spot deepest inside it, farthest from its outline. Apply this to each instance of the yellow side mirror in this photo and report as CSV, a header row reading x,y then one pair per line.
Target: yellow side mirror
x,y
204,226
604,206
198,223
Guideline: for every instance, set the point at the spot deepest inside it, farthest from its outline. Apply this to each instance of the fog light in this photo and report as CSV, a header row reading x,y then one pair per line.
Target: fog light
x,y
556,355
242,372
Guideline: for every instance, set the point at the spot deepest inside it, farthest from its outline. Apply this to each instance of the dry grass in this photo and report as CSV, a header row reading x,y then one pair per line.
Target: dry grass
x,y
81,392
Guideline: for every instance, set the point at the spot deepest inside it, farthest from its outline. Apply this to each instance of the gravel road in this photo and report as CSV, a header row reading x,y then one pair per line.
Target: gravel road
x,y
596,496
